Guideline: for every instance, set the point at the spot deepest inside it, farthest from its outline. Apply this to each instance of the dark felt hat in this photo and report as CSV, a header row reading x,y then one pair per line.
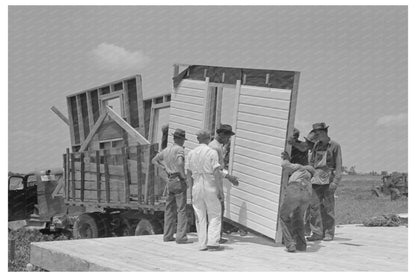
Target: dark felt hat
x,y
225,128
179,133
319,126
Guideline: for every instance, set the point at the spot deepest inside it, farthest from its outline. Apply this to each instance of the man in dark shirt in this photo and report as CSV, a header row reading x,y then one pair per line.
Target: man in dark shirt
x,y
327,160
299,153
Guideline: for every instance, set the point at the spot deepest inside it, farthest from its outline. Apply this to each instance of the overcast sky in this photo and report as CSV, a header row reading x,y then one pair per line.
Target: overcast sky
x,y
353,63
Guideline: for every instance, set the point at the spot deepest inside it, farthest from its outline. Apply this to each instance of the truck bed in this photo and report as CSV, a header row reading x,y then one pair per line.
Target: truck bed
x,y
355,248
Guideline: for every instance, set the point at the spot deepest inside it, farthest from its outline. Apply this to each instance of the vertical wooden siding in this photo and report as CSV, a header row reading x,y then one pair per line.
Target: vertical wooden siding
x,y
261,129
187,110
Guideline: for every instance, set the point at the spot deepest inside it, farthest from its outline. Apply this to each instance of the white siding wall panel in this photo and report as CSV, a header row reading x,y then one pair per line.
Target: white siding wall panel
x,y
187,111
261,130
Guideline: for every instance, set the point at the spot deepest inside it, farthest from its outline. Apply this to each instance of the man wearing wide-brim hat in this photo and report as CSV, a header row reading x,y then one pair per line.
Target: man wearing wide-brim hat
x,y
172,160
224,133
326,158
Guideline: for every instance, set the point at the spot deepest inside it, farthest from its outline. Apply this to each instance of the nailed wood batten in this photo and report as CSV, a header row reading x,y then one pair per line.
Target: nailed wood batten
x,y
129,129
288,148
71,121
140,105
80,120
92,132
60,115
234,124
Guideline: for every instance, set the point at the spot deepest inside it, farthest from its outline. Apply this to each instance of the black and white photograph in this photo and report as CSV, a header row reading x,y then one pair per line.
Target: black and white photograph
x,y
207,138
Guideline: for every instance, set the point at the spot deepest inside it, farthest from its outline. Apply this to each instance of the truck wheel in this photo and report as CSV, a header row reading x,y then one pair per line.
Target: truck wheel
x,y
87,226
147,227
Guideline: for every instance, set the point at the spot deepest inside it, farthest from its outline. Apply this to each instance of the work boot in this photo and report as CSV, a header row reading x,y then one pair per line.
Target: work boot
x,y
223,240
291,248
314,238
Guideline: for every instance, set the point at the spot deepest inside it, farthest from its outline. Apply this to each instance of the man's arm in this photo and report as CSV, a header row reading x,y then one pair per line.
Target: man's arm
x,y
338,165
157,160
218,182
180,162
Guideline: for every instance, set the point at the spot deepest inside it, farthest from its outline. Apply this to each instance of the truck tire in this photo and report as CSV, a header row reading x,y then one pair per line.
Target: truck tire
x,y
88,226
148,227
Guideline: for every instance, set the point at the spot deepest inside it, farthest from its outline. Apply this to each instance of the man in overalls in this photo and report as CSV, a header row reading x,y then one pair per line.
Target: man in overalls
x,y
172,160
327,160
206,181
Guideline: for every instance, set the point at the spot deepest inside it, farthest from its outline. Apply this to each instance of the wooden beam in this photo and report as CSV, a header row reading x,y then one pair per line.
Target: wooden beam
x,y
149,195
71,121
82,176
111,95
205,117
218,107
107,177
126,126
234,125
94,129
126,102
139,172
80,120
140,105
67,173
90,112
73,175
98,162
127,180
161,105
288,148
60,115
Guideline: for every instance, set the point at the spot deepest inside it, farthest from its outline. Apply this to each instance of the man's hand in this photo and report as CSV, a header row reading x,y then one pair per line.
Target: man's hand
x,y
333,186
233,180
285,156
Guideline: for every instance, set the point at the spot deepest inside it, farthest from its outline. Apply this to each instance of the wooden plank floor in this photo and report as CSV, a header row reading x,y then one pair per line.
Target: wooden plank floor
x,y
355,248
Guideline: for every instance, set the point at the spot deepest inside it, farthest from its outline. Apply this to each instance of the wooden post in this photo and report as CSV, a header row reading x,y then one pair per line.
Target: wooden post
x,y
107,177
150,184
73,175
82,176
98,169
126,175
67,173
139,172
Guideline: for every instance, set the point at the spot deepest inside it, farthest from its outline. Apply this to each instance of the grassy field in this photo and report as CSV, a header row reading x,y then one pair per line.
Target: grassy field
x,y
355,202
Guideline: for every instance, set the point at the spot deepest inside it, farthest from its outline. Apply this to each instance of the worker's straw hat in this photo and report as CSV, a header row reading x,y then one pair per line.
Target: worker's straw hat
x,y
226,129
179,133
319,126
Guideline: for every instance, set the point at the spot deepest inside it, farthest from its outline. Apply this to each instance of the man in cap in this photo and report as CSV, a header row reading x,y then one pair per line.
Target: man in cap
x,y
172,160
300,155
224,133
295,201
327,160
204,168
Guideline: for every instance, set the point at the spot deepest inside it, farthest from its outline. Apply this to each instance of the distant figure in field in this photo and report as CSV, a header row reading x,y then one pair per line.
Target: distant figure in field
x,y
327,161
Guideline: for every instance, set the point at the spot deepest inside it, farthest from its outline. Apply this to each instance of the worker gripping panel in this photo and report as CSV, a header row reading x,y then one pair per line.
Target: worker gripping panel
x,y
261,126
187,110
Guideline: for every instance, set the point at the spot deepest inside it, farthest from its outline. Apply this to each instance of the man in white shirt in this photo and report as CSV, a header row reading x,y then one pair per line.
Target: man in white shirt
x,y
224,133
204,168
